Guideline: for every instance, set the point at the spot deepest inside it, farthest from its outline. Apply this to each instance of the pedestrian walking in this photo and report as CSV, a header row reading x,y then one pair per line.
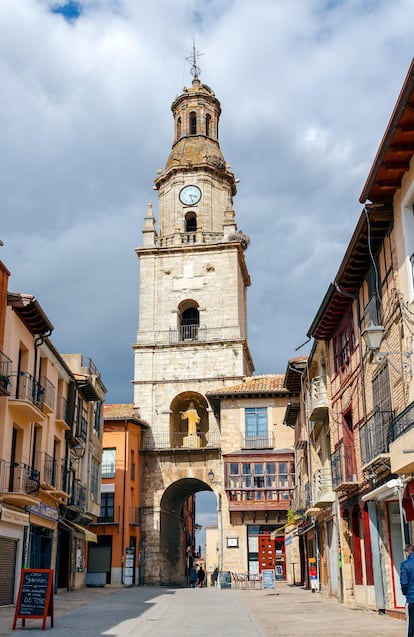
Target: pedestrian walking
x,y
200,577
215,577
407,586
192,577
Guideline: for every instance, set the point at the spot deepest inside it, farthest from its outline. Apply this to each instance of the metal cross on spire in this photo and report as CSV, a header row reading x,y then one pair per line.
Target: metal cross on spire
x,y
195,70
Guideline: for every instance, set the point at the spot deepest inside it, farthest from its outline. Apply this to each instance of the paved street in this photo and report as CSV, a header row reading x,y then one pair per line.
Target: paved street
x,y
160,612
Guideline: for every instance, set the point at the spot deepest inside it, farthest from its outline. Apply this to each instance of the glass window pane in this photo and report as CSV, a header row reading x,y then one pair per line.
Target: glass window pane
x,y
234,468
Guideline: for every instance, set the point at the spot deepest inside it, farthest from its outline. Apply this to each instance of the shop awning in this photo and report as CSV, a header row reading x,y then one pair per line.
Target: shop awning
x,y
386,491
89,536
408,501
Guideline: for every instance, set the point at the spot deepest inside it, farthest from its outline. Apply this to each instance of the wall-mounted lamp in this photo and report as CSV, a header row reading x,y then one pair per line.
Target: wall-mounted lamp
x,y
79,452
211,477
373,336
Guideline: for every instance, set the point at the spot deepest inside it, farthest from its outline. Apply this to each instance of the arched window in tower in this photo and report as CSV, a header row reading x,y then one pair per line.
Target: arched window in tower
x,y
190,222
193,123
208,125
189,322
179,128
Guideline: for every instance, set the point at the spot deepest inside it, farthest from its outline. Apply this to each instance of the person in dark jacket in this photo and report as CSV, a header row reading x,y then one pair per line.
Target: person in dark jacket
x,y
407,586
200,577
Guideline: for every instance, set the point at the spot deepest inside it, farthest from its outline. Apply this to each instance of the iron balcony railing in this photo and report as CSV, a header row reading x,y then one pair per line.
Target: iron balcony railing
x,y
18,477
51,470
403,422
111,516
174,335
300,500
78,495
257,442
135,516
321,484
175,440
5,373
375,435
25,387
62,409
49,392
343,466
188,333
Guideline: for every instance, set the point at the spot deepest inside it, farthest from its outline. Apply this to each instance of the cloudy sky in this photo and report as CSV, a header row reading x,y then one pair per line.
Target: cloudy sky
x,y
307,88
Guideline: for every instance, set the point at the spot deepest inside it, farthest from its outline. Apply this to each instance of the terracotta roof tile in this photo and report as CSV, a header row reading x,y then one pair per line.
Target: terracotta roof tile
x,y
121,410
268,384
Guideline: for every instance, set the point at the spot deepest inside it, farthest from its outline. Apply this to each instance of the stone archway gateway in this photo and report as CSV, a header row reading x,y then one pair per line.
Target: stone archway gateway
x,y
163,554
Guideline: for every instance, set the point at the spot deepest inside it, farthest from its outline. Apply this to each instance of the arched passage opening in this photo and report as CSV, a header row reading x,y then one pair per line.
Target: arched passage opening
x,y
178,548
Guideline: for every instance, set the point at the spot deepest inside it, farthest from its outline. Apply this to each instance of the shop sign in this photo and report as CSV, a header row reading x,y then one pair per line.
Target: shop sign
x,y
14,517
45,511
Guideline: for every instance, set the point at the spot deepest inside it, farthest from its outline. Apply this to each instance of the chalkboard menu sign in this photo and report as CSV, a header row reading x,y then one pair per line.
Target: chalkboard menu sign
x,y
35,598
268,578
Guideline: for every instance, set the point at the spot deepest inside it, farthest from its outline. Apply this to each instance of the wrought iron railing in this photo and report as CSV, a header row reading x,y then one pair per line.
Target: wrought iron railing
x,y
62,411
375,435
257,442
78,495
51,470
111,516
188,333
135,517
343,466
5,372
18,477
321,483
403,422
25,387
49,392
175,440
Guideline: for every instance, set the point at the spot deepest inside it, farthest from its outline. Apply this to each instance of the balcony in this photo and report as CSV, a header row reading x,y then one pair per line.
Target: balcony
x,y
19,484
110,517
323,494
257,442
26,397
62,413
48,395
77,498
401,449
375,436
318,403
5,373
259,499
176,440
135,516
301,497
343,465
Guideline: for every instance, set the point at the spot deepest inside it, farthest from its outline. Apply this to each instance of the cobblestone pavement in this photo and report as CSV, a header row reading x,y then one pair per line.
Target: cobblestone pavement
x,y
161,612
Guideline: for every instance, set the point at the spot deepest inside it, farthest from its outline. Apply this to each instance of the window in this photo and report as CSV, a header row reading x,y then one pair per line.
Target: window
x,y
208,125
108,463
94,480
190,321
256,421
97,418
193,123
107,508
344,345
262,475
412,268
190,222
179,128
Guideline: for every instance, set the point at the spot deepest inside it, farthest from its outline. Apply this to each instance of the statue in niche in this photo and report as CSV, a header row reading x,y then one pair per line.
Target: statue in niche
x,y
193,419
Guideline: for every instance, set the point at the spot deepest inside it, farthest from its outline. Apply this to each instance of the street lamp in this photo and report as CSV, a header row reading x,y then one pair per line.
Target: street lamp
x,y
373,337
79,452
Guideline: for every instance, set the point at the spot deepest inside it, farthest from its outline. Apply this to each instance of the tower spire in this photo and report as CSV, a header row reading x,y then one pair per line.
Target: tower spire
x,y
195,70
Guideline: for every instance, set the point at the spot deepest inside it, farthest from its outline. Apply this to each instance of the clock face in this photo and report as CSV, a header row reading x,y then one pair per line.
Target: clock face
x,y
190,195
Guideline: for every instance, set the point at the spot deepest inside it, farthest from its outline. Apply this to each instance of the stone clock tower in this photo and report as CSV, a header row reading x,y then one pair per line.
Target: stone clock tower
x,y
192,335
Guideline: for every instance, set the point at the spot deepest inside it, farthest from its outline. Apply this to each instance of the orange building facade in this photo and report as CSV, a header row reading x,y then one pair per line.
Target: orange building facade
x,y
115,557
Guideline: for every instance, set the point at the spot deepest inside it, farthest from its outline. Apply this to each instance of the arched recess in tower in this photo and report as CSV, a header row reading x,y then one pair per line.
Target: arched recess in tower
x,y
177,541
188,320
178,425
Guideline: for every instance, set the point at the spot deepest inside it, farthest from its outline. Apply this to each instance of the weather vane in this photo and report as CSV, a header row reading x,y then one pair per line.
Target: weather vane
x,y
195,70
